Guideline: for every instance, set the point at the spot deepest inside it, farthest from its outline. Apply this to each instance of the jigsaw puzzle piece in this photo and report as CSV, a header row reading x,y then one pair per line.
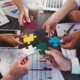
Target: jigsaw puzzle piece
x,y
31,25
40,33
55,41
29,51
43,46
29,39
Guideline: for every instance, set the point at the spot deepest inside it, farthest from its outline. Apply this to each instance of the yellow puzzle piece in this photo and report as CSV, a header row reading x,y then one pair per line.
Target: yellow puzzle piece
x,y
28,39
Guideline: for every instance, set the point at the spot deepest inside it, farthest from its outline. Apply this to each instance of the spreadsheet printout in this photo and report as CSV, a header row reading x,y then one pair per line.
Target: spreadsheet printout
x,y
39,70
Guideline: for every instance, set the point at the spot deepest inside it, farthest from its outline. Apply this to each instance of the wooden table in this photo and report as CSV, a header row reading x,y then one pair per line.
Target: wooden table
x,y
40,20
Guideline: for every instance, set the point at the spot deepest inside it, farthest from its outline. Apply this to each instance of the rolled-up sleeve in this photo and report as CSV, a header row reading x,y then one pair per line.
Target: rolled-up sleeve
x,y
75,66
78,2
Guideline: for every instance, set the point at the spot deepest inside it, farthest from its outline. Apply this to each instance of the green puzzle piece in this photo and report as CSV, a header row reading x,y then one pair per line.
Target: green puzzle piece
x,y
43,46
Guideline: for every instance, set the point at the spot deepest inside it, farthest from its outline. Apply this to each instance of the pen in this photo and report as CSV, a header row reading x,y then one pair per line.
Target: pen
x,y
69,29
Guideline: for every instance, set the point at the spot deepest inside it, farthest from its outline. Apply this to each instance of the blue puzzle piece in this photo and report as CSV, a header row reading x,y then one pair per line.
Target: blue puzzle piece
x,y
55,41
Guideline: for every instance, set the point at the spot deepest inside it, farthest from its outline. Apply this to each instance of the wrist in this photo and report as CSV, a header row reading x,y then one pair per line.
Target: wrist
x,y
1,37
22,9
68,65
54,17
9,77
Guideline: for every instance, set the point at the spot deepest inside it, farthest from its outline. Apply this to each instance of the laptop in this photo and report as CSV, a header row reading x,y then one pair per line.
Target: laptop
x,y
52,5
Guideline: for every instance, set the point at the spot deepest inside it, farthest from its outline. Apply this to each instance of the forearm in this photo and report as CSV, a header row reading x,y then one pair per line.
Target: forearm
x,y
1,37
8,77
65,9
19,4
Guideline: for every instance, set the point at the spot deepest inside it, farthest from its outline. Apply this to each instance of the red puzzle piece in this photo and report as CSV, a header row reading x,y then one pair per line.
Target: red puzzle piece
x,y
31,25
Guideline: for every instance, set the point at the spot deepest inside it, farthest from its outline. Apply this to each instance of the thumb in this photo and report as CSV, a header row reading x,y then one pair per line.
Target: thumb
x,y
49,53
66,39
18,42
47,28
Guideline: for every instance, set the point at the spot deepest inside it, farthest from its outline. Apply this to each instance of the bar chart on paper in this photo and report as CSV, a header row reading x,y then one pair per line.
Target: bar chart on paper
x,y
39,70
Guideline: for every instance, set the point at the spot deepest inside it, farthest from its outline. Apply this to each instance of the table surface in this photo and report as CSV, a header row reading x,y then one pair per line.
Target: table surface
x,y
40,20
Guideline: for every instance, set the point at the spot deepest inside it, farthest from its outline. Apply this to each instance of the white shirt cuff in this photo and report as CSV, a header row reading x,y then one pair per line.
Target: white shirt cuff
x,y
75,66
78,2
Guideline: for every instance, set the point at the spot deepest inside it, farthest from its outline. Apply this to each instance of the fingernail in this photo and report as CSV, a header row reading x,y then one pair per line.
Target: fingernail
x,y
61,40
24,21
46,51
28,20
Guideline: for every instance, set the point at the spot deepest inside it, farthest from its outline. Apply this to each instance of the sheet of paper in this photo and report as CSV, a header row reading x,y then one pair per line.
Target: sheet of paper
x,y
61,28
3,18
6,4
13,12
7,57
39,70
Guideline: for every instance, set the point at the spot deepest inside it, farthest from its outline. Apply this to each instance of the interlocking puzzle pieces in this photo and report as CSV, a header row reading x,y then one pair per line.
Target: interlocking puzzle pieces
x,y
28,39
31,25
55,41
43,46
40,33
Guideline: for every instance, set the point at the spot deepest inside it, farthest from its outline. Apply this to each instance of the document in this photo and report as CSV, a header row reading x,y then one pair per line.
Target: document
x,y
39,70
3,19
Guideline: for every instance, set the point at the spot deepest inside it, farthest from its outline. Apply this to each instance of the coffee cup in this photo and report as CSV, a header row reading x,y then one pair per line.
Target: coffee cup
x,y
33,8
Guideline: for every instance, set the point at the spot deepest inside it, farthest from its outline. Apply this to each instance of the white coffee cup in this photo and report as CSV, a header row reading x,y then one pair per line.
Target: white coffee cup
x,y
34,9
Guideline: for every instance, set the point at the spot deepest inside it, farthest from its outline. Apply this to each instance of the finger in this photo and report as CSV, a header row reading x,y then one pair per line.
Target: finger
x,y
48,52
48,61
23,62
66,39
27,18
18,36
21,58
20,19
16,42
60,37
52,32
27,64
66,46
66,34
47,29
31,17
43,56
50,48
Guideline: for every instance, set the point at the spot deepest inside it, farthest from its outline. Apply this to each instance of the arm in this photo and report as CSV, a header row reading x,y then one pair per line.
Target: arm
x,y
65,9
18,4
23,16
11,39
18,69
51,23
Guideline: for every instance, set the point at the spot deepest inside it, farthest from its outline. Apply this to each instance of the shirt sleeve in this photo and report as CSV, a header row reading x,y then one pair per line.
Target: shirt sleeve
x,y
78,2
75,66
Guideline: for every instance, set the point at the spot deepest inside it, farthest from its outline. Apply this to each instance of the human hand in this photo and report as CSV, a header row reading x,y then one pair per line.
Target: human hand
x,y
49,26
57,60
24,17
74,16
17,69
11,39
71,41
